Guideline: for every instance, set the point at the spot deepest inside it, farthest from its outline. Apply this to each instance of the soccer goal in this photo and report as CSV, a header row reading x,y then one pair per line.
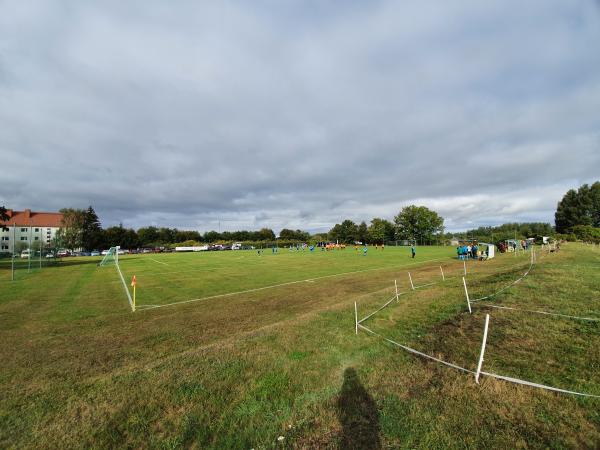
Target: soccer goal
x,y
112,257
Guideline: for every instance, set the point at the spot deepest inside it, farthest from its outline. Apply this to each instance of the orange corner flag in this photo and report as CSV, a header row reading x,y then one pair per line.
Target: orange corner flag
x,y
133,281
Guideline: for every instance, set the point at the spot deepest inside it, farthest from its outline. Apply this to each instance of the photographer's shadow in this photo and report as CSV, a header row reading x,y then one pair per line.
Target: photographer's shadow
x,y
358,415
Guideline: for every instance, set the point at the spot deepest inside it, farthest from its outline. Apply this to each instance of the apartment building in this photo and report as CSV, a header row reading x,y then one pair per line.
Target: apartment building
x,y
24,228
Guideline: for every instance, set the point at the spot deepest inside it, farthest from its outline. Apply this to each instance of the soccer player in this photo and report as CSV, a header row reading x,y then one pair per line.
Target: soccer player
x,y
413,250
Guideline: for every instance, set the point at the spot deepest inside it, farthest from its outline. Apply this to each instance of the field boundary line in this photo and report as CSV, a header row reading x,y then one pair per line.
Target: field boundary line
x,y
247,291
159,262
125,287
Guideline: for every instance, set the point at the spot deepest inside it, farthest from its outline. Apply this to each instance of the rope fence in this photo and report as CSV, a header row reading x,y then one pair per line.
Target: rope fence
x,y
478,372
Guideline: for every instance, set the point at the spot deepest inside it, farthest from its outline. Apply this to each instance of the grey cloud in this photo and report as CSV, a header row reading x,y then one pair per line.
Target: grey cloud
x,y
298,114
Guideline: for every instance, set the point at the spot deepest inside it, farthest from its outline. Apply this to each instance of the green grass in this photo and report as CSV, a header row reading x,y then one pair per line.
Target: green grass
x,y
79,369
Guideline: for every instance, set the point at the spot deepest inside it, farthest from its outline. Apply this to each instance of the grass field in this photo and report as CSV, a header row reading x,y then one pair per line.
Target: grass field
x,y
266,349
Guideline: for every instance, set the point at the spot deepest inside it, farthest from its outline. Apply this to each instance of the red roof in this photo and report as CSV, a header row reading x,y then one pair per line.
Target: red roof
x,y
33,219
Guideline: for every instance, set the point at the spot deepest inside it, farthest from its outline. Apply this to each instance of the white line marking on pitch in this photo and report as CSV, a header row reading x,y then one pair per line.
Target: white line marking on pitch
x,y
160,262
229,294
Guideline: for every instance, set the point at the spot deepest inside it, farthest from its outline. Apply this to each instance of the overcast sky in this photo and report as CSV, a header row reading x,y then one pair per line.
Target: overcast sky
x,y
298,114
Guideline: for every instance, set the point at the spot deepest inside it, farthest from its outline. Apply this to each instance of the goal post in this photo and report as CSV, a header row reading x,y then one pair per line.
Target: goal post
x,y
111,257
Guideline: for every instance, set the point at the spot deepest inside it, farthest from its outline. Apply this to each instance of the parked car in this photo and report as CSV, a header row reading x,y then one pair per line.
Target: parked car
x,y
49,255
25,254
95,253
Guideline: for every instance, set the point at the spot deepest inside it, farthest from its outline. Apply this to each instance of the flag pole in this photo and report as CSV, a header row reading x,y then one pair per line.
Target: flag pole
x,y
12,259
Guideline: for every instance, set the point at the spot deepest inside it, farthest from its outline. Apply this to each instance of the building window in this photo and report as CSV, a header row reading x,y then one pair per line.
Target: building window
x,y
37,238
5,238
23,238
5,247
37,230
23,230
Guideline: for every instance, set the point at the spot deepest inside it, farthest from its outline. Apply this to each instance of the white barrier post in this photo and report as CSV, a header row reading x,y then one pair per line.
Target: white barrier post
x,y
465,267
396,286
355,318
485,331
467,295
411,283
531,257
443,277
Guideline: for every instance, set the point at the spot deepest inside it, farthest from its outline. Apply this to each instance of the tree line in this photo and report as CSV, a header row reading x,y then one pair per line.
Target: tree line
x,y
506,231
577,217
82,229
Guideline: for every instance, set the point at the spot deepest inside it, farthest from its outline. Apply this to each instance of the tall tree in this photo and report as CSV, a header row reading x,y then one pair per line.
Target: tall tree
x,y
381,230
91,235
148,235
212,236
166,235
70,233
266,234
581,207
595,203
362,232
345,232
3,217
418,223
120,236
291,235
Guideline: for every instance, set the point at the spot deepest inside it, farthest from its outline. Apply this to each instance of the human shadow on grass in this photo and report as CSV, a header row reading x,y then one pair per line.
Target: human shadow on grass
x,y
358,415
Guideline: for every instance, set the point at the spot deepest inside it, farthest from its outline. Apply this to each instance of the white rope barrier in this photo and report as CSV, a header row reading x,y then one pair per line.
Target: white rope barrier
x,y
537,385
518,280
425,285
590,319
480,372
413,287
395,297
416,352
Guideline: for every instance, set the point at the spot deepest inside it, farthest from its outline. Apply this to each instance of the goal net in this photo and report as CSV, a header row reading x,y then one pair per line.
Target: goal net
x,y
111,257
